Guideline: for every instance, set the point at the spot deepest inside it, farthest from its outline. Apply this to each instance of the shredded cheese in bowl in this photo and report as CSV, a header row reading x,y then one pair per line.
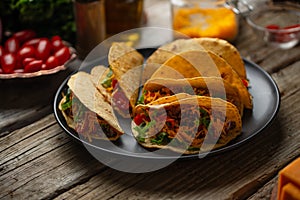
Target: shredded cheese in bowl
x,y
218,22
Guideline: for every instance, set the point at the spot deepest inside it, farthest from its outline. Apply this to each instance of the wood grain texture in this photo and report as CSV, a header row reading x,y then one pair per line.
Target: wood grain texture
x,y
39,161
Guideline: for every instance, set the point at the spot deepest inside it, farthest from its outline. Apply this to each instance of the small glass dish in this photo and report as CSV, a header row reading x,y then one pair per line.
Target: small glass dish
x,y
277,24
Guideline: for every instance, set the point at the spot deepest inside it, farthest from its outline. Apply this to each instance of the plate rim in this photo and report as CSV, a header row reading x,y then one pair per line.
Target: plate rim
x,y
223,149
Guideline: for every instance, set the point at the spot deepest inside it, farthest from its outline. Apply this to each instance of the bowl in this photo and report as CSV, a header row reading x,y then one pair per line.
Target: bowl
x,y
277,24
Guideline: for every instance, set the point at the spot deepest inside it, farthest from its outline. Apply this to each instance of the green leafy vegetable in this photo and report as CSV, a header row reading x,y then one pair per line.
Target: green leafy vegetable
x,y
161,139
142,129
142,98
46,17
108,79
68,103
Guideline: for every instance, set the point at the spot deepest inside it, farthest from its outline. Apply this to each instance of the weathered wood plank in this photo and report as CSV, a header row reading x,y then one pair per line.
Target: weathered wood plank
x,y
23,101
20,135
268,191
47,165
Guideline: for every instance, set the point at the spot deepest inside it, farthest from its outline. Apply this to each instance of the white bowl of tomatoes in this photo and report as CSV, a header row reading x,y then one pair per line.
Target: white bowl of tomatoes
x,y
24,55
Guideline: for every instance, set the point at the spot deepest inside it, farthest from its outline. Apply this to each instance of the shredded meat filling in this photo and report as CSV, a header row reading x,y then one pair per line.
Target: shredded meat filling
x,y
87,123
194,129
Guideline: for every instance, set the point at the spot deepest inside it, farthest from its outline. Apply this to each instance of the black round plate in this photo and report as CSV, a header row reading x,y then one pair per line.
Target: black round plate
x,y
266,102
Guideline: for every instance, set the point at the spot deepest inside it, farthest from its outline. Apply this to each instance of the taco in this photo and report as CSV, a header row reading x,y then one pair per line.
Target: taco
x,y
220,47
226,51
185,124
203,64
165,52
201,86
122,77
86,111
99,73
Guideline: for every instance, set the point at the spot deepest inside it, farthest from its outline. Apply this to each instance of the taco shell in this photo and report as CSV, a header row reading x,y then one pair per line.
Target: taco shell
x,y
166,51
225,50
201,86
203,64
217,123
82,87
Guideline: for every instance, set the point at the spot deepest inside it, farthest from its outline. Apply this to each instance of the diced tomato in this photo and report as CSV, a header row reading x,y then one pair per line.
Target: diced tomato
x,y
272,27
140,118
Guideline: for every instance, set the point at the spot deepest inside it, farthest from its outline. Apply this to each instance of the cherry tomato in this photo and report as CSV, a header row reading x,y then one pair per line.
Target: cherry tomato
x,y
56,43
292,26
63,55
2,52
25,52
12,45
8,63
51,63
43,49
27,60
272,27
33,42
23,36
33,66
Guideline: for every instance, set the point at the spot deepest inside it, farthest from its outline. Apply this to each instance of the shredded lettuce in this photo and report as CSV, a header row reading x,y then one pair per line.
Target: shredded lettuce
x,y
108,79
142,129
161,139
68,103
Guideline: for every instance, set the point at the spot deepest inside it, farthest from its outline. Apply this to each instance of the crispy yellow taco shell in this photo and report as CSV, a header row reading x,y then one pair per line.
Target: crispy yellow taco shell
x,y
120,80
219,46
165,52
87,112
99,73
187,125
201,86
203,64
225,50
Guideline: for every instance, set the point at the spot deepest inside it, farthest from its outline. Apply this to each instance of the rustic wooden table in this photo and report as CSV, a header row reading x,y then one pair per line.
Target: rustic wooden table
x,y
38,160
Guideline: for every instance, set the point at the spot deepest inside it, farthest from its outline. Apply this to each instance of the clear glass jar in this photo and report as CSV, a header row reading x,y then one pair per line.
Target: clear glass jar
x,y
90,25
204,18
122,15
